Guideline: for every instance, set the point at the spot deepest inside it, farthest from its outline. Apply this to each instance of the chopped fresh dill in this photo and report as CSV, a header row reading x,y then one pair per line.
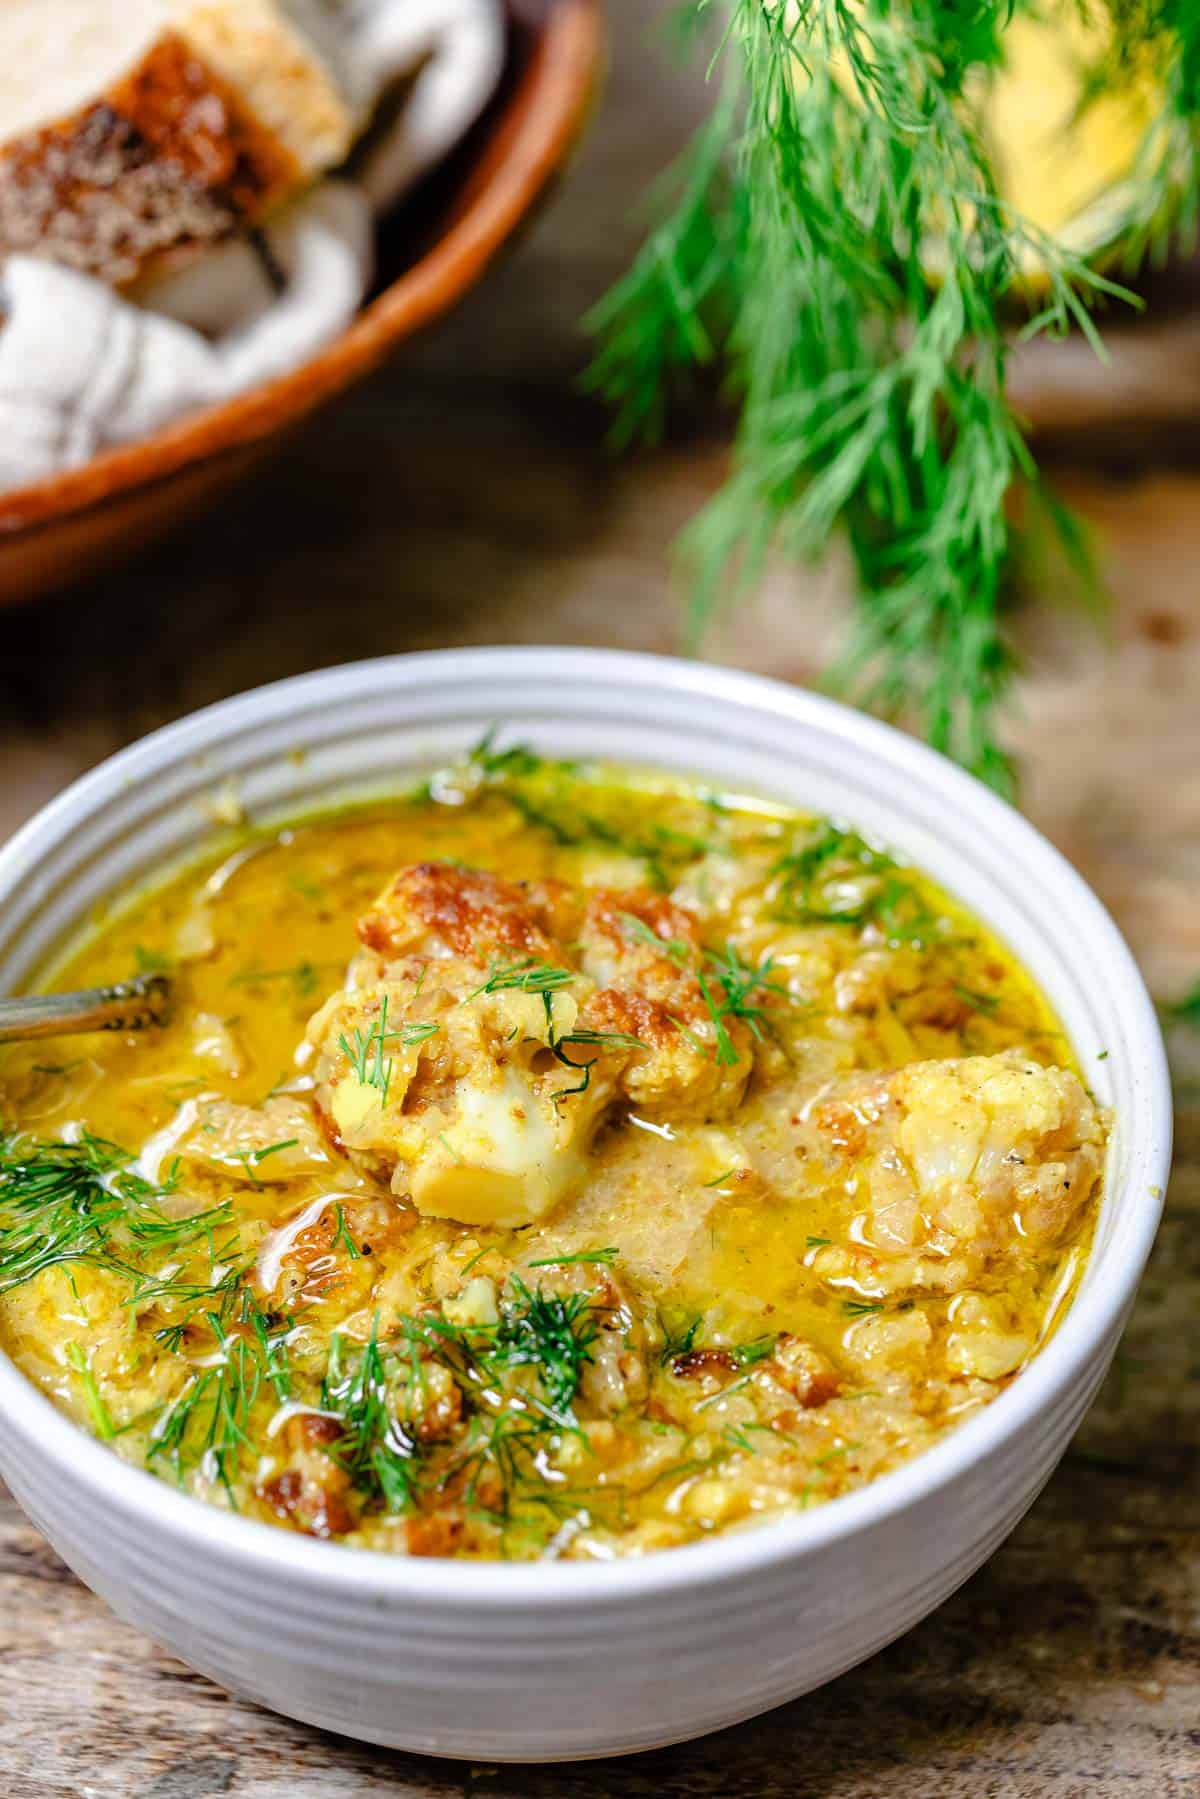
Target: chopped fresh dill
x,y
550,795
477,1258
528,975
549,1333
674,947
83,1201
219,1293
342,1237
271,1337
835,1454
102,1422
378,1447
206,1425
366,1050
583,1038
720,1179
858,1308
724,1393
303,976
518,759
726,1049
828,877
604,1257
250,1159
518,1378
678,1338
525,976
745,1355
834,876
743,985
982,1002
300,883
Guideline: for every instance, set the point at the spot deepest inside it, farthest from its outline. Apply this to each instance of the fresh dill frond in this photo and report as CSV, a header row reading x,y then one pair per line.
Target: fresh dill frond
x,y
271,1336
526,975
304,976
342,1237
726,1049
206,1427
745,986
719,1180
218,1293
637,929
678,1337
517,759
249,1159
365,1050
825,877
98,1412
378,1447
836,245
553,796
747,1355
582,1037
85,1202
549,1333
834,876
601,1257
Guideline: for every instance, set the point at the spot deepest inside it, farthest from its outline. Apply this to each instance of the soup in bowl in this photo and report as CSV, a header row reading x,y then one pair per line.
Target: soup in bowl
x,y
580,1132
548,1162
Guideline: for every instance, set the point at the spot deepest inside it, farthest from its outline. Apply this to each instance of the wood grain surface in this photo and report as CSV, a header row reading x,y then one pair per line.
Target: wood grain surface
x,y
464,496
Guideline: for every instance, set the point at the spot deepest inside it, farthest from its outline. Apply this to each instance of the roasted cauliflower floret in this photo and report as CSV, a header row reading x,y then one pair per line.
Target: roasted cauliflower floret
x,y
463,1072
470,1056
645,955
956,1163
437,910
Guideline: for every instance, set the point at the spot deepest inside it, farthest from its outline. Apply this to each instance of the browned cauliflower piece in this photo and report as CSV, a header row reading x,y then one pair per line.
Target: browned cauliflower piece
x,y
950,1165
470,1056
645,954
457,1065
438,910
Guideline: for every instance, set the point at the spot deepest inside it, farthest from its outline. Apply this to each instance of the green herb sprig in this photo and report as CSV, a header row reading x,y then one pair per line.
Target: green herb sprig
x,y
64,1203
791,249
366,1050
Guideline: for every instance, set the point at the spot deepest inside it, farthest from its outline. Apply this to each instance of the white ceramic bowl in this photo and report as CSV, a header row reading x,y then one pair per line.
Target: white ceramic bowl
x,y
539,1661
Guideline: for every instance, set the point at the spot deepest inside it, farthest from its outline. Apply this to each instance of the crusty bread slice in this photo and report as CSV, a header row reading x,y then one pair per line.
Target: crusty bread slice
x,y
133,136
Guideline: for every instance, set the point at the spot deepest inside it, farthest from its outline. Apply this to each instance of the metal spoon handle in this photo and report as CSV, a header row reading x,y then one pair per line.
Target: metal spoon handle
x,y
126,1006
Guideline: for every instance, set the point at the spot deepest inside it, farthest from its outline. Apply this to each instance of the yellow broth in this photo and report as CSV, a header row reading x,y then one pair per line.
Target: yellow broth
x,y
758,1292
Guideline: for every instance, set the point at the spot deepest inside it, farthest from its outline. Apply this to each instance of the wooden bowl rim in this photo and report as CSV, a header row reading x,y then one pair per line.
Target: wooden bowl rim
x,y
561,87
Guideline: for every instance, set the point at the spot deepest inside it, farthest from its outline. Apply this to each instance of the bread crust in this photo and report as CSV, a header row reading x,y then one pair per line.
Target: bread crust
x,y
167,162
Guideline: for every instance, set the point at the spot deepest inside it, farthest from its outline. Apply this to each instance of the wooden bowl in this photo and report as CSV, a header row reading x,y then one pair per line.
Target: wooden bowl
x,y
432,250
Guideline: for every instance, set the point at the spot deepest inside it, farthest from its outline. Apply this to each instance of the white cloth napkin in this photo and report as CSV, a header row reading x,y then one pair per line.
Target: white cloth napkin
x,y
82,368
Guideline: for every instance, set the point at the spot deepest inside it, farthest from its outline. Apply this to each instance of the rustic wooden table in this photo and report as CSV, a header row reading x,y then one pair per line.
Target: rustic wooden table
x,y
465,497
